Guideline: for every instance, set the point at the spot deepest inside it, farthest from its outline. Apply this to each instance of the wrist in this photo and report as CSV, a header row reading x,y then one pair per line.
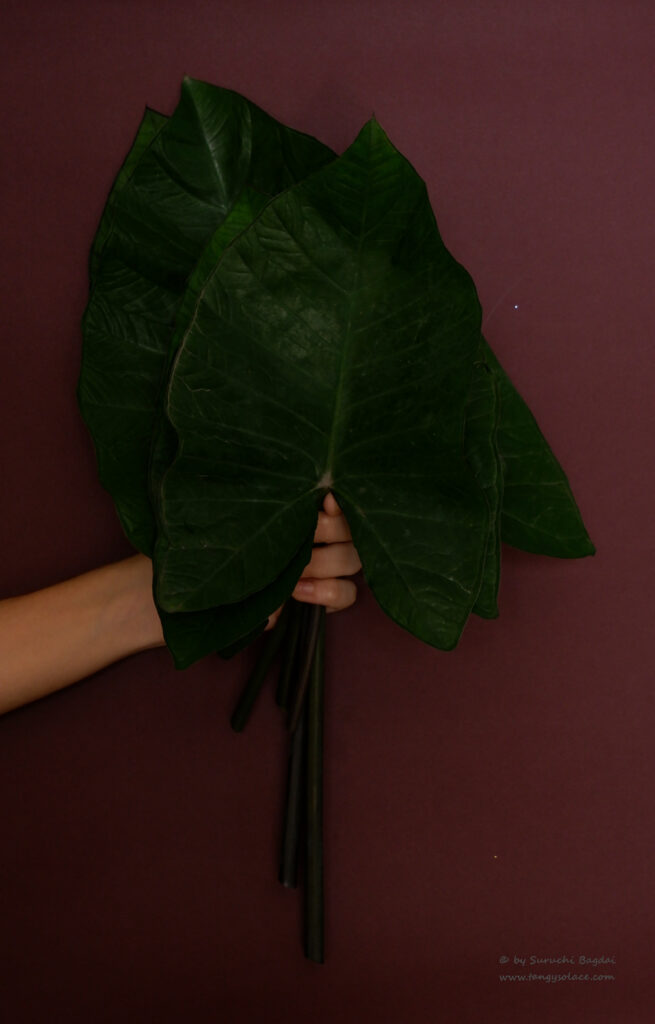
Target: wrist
x,y
130,610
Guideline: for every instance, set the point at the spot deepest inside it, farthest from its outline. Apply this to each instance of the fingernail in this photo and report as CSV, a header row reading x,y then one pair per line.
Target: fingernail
x,y
304,587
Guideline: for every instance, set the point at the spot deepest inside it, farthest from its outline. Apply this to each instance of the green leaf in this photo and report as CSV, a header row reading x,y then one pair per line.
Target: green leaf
x,y
539,512
344,281
482,417
164,440
148,130
332,348
226,629
191,635
181,186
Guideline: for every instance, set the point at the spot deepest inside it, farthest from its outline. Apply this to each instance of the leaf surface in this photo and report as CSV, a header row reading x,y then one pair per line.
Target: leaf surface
x,y
182,183
331,349
228,628
174,190
150,126
481,448
190,635
330,275
539,512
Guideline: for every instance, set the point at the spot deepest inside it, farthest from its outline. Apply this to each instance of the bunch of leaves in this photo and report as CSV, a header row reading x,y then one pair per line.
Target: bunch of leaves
x,y
268,322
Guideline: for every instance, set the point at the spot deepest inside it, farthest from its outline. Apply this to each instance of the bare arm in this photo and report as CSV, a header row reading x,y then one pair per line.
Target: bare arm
x,y
62,634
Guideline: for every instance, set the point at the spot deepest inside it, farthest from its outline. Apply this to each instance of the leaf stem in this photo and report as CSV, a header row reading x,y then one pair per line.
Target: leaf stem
x,y
294,807
314,908
314,619
259,673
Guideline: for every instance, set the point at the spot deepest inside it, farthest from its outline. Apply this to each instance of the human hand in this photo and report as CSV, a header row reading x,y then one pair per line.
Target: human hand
x,y
333,557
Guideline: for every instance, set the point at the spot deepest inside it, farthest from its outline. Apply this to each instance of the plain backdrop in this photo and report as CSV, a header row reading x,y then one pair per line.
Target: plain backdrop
x,y
490,802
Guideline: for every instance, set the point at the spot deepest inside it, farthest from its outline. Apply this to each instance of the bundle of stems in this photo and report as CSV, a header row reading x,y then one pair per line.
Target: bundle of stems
x,y
299,640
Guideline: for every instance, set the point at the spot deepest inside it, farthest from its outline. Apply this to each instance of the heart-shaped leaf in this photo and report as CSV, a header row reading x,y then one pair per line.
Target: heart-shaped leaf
x,y
189,187
332,348
184,177
181,179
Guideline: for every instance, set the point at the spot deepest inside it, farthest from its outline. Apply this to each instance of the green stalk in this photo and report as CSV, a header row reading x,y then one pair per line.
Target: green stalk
x,y
259,673
315,618
294,807
314,909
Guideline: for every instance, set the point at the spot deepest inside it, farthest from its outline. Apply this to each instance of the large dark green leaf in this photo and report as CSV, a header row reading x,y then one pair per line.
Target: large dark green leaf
x,y
203,177
190,635
482,417
164,440
182,185
332,348
228,628
539,512
150,126
175,187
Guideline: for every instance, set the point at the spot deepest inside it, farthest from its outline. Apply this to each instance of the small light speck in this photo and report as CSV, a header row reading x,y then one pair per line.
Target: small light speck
x,y
495,856
516,307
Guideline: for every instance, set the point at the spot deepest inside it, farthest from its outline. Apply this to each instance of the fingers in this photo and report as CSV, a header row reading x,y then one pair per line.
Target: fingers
x,y
321,582
331,528
333,560
330,505
335,594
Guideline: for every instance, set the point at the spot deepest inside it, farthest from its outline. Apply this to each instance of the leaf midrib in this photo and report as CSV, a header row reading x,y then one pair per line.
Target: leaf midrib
x,y
328,473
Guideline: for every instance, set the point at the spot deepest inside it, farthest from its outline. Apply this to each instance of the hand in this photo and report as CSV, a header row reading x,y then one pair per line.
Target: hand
x,y
333,557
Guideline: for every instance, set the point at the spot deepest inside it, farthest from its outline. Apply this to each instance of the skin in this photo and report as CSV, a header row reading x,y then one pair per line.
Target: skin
x,y
64,633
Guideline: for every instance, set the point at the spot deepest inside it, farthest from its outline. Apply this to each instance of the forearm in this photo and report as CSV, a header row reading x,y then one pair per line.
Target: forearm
x,y
66,632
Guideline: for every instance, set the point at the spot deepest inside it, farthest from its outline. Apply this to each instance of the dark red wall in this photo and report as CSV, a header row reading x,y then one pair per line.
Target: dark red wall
x,y
492,802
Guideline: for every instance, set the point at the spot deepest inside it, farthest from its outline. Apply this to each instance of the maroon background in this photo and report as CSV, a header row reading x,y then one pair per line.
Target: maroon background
x,y
484,803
